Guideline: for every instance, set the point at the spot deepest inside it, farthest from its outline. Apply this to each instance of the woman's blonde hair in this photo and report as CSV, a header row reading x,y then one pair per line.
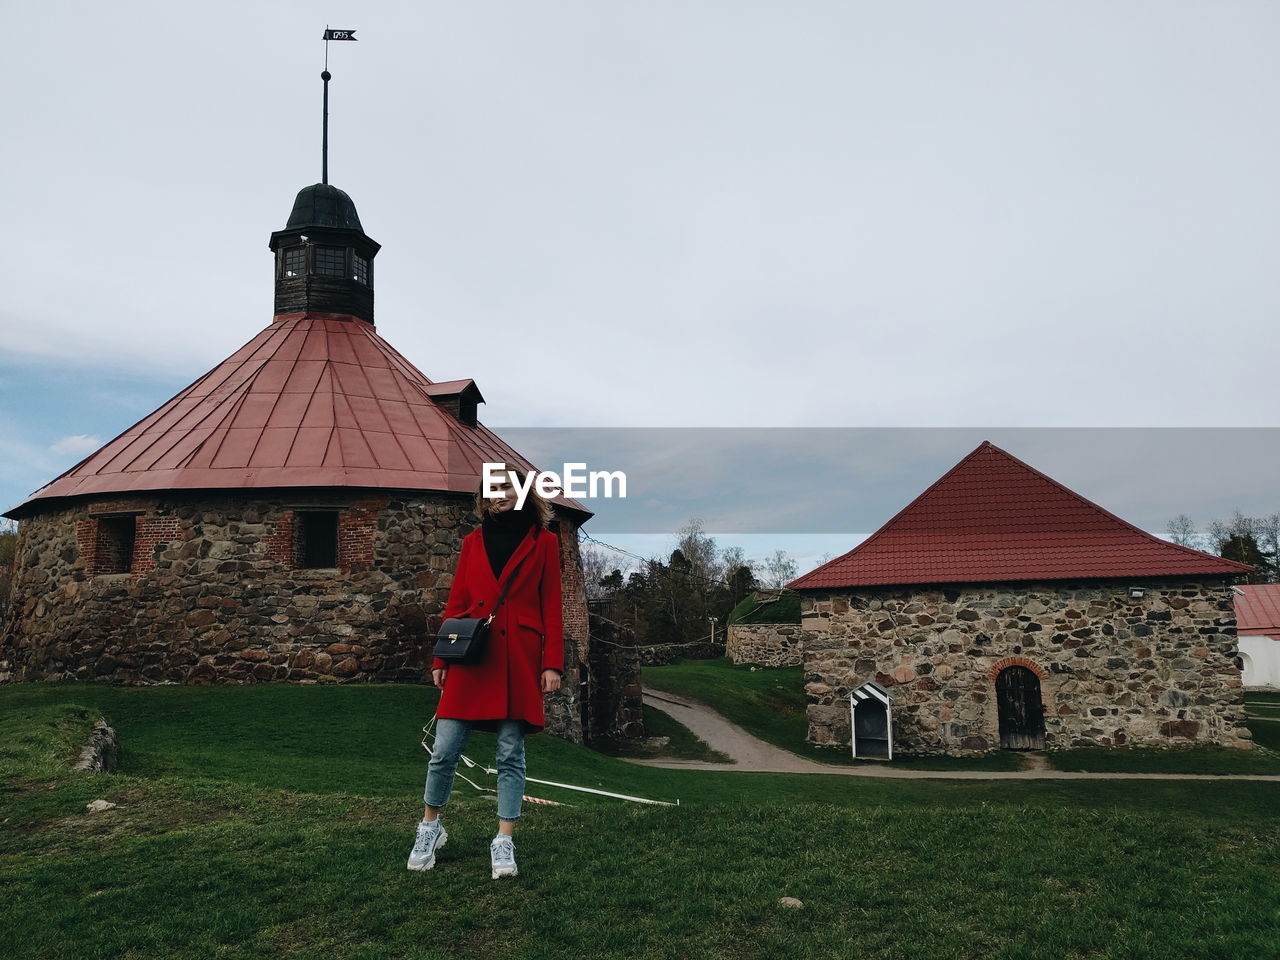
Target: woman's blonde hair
x,y
533,502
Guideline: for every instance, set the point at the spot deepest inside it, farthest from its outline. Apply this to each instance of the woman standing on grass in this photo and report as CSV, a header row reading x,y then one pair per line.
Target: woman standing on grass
x,y
523,660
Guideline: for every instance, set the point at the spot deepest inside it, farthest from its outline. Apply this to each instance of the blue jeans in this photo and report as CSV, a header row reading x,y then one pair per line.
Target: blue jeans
x,y
451,739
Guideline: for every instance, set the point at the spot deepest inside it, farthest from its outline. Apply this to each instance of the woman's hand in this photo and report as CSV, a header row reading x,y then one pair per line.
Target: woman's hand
x,y
550,681
438,675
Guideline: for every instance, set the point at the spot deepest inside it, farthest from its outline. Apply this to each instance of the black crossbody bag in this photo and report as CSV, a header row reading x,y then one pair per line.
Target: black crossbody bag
x,y
464,639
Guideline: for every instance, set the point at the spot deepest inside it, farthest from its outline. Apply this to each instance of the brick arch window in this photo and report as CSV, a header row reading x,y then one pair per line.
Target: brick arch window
x,y
1031,665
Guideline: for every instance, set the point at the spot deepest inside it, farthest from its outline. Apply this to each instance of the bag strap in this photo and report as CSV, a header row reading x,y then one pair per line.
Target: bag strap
x,y
507,586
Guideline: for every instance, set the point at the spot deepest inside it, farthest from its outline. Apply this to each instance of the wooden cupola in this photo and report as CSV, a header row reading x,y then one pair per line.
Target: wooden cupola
x,y
323,258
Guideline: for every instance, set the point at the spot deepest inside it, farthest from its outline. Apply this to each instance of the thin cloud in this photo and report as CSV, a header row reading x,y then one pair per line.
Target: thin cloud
x,y
76,443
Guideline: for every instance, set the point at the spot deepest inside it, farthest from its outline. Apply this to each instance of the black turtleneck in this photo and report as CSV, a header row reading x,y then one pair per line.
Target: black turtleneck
x,y
502,533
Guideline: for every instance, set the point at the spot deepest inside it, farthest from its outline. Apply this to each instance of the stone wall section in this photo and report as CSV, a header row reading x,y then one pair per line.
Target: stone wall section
x,y
566,707
617,704
660,654
765,644
1155,671
213,595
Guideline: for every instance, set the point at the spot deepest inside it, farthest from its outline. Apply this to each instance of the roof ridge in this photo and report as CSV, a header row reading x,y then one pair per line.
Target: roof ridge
x,y
888,523
1099,525
1245,568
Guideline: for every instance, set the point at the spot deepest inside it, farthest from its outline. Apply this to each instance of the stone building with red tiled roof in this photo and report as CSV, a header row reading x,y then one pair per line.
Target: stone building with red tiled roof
x,y
1001,609
294,514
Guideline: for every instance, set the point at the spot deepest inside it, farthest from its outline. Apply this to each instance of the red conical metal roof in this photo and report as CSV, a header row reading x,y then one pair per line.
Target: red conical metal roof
x,y
314,400
993,517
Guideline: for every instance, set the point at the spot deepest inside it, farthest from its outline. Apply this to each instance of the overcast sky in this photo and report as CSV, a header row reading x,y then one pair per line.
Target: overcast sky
x,y
660,214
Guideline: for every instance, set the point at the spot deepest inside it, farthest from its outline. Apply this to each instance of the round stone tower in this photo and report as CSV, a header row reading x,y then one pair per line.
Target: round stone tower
x,y
293,515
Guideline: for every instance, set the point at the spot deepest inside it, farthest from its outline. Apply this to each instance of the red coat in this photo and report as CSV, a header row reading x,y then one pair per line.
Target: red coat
x,y
525,638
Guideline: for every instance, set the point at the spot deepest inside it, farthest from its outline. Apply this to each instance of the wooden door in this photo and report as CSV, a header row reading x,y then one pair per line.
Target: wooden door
x,y
1021,709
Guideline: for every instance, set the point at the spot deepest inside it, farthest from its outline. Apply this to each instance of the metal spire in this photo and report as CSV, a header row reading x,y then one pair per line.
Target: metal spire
x,y
326,76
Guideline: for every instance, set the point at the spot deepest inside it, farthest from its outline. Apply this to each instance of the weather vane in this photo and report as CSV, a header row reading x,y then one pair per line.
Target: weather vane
x,y
326,76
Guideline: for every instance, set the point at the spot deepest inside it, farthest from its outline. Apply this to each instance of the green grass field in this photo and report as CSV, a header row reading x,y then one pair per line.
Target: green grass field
x,y
770,703
274,821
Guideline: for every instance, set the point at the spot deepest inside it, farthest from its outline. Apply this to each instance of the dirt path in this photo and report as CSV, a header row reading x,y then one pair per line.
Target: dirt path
x,y
753,755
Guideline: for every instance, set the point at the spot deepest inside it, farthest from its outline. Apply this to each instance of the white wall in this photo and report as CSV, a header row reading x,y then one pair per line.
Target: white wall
x,y
1261,656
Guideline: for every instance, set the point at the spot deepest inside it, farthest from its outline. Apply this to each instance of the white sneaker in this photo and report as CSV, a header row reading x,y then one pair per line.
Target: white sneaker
x,y
431,836
502,855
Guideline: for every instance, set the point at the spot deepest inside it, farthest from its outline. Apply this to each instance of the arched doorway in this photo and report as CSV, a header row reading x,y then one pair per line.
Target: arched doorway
x,y
1246,670
1020,708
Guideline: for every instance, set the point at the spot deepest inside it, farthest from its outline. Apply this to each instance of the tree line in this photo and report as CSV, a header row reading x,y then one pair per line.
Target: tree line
x,y
677,598
683,597
1253,540
8,547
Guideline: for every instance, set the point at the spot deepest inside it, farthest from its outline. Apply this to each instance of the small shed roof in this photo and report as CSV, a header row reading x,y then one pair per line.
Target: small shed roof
x,y
1257,608
871,691
993,517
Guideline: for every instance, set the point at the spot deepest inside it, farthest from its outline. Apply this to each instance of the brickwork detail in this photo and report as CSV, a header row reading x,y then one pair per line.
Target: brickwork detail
x,y
278,540
153,536
357,531
1031,665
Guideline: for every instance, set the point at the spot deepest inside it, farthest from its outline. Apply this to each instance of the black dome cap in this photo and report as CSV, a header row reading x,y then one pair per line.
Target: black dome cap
x,y
323,205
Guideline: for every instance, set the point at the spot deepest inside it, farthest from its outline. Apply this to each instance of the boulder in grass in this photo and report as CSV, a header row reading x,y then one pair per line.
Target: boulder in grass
x,y
99,754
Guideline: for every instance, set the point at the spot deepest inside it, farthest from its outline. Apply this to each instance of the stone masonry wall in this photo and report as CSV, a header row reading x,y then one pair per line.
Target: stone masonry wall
x,y
213,594
766,644
565,707
660,654
1154,671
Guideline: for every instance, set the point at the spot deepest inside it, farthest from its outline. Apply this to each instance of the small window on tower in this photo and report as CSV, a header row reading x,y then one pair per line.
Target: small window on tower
x,y
115,544
331,262
317,532
295,261
361,271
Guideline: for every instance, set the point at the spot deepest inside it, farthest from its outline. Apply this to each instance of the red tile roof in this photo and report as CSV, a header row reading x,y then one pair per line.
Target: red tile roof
x,y
314,400
993,517
1258,608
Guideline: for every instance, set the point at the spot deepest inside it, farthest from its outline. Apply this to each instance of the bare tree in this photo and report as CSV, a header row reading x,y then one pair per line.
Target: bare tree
x,y
1182,531
1238,526
1268,535
1242,535
779,570
700,550
732,558
596,565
